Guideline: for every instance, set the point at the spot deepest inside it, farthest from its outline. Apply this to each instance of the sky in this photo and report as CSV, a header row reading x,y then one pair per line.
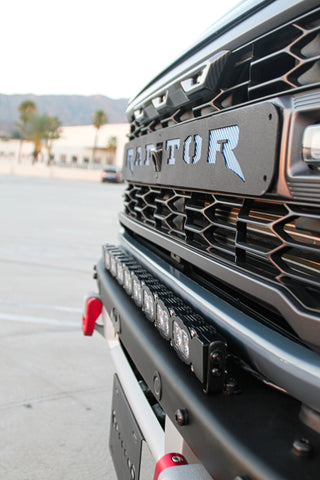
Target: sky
x,y
106,47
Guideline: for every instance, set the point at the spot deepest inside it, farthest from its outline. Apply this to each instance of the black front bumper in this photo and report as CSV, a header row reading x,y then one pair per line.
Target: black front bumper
x,y
246,433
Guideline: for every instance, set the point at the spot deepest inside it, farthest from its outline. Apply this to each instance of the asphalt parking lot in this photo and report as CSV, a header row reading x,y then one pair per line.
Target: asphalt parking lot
x,y
55,386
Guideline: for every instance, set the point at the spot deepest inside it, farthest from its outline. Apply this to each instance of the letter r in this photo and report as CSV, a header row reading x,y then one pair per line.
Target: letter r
x,y
224,141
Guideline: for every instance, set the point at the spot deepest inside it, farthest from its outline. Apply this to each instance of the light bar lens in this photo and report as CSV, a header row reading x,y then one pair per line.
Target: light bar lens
x,y
107,259
148,303
163,320
127,280
113,266
136,290
120,272
181,340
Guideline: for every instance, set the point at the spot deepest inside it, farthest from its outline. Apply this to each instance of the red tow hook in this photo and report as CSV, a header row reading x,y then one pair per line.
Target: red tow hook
x,y
169,460
92,310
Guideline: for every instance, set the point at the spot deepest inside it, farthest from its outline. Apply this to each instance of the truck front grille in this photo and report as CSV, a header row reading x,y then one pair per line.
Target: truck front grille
x,y
279,242
283,60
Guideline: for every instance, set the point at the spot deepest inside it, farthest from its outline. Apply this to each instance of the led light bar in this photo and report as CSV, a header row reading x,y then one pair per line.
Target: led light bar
x,y
166,309
127,279
194,339
139,280
107,251
153,291
129,270
163,320
198,344
181,339
148,303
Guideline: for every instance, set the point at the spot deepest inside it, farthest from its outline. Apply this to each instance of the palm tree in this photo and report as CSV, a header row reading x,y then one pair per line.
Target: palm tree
x,y
99,119
37,129
53,132
26,109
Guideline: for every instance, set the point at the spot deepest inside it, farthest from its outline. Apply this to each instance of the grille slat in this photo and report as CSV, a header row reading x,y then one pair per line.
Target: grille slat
x,y
279,242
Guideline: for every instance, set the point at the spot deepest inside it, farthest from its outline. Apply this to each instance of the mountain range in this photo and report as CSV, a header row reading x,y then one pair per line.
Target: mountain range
x,y
70,109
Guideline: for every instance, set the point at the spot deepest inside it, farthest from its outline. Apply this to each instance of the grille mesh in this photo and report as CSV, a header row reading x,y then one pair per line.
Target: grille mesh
x,y
280,242
283,60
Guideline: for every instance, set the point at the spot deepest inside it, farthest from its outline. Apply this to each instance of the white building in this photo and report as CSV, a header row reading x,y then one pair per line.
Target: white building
x,y
76,144
75,147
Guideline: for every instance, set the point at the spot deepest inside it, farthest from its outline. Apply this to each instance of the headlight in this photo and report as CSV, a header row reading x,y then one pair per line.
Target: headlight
x,y
311,145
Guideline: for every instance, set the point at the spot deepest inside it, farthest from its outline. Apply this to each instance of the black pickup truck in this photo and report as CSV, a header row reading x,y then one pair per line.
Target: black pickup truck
x,y
211,301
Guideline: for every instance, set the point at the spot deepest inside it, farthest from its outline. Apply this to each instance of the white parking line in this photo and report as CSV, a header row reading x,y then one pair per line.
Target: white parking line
x,y
41,306
13,317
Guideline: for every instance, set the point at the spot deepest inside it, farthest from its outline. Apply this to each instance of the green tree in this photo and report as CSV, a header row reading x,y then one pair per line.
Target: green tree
x,y
42,128
36,132
53,132
112,144
99,119
26,110
37,128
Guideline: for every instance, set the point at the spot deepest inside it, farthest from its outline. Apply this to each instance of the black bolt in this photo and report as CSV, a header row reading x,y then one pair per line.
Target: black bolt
x,y
176,459
157,386
215,356
181,416
302,447
231,386
95,276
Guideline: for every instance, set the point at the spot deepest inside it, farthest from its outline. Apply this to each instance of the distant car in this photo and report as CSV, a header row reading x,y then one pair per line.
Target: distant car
x,y
111,174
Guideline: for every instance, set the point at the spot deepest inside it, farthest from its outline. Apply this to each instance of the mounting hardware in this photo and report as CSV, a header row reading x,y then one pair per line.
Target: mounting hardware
x,y
302,447
231,387
182,417
157,385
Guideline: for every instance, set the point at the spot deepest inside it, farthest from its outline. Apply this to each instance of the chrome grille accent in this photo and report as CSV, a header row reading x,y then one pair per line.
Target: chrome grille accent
x,y
279,242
